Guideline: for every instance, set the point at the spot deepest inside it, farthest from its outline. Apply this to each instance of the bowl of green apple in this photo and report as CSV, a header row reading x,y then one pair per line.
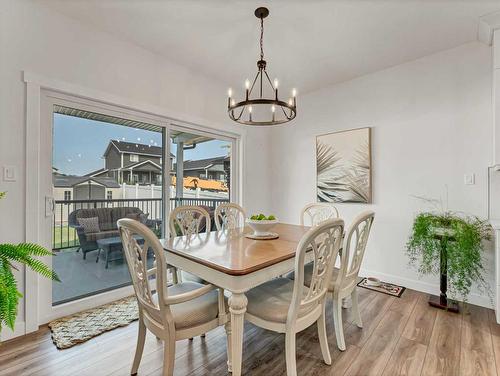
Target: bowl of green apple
x,y
261,225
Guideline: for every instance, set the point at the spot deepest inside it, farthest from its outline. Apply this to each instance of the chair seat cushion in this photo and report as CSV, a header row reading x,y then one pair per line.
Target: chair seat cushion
x,y
308,270
193,312
271,300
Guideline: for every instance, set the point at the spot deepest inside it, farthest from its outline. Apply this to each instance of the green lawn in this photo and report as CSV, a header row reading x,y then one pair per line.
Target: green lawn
x,y
64,236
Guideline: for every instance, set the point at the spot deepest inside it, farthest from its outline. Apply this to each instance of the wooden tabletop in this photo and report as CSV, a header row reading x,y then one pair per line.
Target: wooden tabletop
x,y
232,253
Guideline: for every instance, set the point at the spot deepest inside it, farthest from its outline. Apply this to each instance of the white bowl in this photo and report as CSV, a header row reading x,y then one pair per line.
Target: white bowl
x,y
261,228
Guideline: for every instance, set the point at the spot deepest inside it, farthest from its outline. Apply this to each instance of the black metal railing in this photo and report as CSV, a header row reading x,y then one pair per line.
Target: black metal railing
x,y
64,236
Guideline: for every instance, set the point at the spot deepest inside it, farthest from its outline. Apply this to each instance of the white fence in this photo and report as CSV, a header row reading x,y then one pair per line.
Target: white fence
x,y
154,191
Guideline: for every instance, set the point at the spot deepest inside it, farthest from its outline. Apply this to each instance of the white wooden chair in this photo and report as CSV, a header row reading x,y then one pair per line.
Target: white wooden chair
x,y
345,278
229,216
287,306
315,213
178,312
188,221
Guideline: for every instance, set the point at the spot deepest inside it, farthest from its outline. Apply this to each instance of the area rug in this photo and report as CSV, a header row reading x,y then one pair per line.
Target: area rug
x,y
386,288
82,326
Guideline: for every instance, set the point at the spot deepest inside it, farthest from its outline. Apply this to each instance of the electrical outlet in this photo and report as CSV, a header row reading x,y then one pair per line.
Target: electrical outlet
x,y
469,179
9,173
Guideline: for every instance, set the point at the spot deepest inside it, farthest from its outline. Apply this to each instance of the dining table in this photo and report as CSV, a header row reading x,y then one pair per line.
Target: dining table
x,y
235,263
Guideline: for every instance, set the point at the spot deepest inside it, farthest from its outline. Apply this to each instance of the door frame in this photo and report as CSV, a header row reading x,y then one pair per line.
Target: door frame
x,y
41,92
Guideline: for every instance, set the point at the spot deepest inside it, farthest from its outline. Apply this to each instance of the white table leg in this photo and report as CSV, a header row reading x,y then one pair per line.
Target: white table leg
x,y
237,308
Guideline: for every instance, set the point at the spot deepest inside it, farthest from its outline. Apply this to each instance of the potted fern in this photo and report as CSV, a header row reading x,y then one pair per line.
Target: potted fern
x,y
24,253
451,245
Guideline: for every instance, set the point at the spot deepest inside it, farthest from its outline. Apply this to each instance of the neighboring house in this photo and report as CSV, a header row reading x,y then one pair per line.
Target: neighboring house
x,y
132,163
211,168
85,188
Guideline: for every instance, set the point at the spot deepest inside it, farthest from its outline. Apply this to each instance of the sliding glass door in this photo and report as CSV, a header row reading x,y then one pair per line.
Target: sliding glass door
x,y
99,163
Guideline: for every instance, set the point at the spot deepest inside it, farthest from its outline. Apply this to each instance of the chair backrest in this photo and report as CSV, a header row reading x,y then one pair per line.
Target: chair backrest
x,y
356,239
131,233
189,220
316,213
324,242
229,216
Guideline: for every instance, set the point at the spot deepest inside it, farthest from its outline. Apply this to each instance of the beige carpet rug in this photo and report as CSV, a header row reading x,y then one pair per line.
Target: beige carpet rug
x,y
82,326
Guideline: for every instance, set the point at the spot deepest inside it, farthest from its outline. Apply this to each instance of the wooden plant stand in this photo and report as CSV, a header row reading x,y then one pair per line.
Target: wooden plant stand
x,y
442,301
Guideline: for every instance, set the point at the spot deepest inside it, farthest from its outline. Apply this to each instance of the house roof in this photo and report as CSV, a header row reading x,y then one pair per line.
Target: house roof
x,y
97,172
136,148
60,181
200,164
209,185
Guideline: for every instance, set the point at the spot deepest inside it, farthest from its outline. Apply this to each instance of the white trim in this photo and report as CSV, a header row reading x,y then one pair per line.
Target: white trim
x,y
19,330
132,166
487,26
32,204
428,288
101,171
83,97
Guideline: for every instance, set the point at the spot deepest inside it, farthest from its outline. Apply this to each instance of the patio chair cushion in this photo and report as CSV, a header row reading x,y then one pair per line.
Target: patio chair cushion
x,y
193,312
140,217
271,300
102,235
308,270
89,225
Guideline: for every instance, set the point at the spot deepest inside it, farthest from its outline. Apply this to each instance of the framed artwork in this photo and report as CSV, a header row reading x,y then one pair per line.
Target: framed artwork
x,y
343,166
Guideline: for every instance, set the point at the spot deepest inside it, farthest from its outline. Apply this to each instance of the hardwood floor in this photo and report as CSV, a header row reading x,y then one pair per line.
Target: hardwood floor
x,y
400,337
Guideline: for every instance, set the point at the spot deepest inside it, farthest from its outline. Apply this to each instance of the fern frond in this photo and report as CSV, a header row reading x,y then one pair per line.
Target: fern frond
x,y
34,249
9,296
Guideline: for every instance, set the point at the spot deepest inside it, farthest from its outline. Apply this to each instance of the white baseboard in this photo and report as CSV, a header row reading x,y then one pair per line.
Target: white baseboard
x,y
19,330
429,288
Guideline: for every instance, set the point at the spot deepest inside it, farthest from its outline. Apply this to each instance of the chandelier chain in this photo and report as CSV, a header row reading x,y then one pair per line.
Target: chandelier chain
x,y
262,38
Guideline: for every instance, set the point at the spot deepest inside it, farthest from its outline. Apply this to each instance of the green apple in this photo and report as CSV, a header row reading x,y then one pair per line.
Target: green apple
x,y
271,218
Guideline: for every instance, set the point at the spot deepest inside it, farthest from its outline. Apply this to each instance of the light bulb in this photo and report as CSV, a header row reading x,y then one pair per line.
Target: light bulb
x,y
247,84
276,83
273,108
290,102
229,92
294,93
232,102
250,109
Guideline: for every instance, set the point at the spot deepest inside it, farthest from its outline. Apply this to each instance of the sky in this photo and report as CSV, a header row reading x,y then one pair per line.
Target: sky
x,y
79,144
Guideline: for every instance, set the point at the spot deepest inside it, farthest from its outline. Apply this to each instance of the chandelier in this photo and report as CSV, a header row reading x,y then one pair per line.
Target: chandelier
x,y
257,109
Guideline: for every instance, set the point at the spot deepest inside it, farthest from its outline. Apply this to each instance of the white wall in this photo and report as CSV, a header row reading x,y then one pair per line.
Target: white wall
x,y
40,40
431,123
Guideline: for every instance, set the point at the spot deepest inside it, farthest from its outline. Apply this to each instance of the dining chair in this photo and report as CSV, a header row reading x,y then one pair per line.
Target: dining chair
x,y
287,306
317,212
345,278
187,220
229,216
173,313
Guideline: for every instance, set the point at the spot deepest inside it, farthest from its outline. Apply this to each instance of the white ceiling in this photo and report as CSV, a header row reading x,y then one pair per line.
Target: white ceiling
x,y
308,44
